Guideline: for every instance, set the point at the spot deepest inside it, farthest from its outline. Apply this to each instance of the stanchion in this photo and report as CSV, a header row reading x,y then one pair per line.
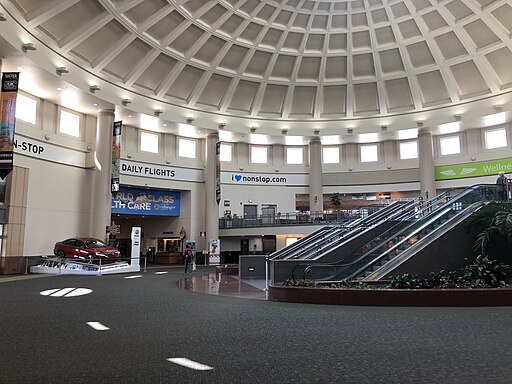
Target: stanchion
x,y
266,273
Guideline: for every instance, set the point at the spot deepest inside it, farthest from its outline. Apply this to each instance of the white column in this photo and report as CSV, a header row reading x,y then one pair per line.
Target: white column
x,y
426,163
316,201
212,208
101,198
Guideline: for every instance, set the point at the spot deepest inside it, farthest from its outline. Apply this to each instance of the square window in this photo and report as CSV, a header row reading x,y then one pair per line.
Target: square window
x,y
69,123
26,108
450,145
294,155
226,153
496,138
187,148
409,150
259,155
330,155
369,153
149,142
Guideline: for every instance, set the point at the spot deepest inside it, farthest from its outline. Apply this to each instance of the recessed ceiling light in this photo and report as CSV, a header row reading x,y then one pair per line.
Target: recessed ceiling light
x,y
59,89
165,125
95,104
130,116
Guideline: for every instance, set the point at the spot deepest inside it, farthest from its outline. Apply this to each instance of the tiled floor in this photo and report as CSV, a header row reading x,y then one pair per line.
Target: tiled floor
x,y
225,285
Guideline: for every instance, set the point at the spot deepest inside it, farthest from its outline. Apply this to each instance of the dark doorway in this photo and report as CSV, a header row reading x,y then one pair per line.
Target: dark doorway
x,y
244,246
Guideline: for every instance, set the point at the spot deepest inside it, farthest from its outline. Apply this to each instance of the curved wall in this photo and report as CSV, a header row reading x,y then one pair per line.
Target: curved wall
x,y
59,189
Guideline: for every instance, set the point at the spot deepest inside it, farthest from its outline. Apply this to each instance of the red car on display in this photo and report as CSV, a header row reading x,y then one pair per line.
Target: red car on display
x,y
86,248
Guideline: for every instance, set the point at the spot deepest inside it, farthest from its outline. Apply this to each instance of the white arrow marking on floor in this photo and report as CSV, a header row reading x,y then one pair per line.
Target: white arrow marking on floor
x,y
133,277
160,273
97,326
66,292
189,363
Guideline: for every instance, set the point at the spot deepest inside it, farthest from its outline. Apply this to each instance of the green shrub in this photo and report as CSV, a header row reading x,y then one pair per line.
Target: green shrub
x,y
483,272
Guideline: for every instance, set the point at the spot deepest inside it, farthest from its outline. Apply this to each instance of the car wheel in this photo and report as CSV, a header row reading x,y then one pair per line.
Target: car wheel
x,y
90,259
61,254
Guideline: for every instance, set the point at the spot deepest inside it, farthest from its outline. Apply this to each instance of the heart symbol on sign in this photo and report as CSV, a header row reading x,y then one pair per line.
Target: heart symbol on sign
x,y
238,177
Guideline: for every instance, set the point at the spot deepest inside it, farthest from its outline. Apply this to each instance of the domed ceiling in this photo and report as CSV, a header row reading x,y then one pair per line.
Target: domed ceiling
x,y
297,65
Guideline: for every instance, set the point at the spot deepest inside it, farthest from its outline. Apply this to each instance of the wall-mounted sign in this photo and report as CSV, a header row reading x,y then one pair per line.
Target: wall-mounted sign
x,y
259,179
154,171
227,203
46,151
134,201
482,168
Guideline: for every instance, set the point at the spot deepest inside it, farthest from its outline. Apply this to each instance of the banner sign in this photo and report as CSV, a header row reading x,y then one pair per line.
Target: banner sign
x,y
483,168
217,172
7,120
262,179
214,252
116,155
132,201
46,151
134,168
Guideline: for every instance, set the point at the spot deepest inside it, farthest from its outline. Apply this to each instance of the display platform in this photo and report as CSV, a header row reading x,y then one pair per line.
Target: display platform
x,y
72,267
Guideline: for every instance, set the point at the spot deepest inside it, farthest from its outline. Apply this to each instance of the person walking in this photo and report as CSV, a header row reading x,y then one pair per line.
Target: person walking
x,y
501,186
188,260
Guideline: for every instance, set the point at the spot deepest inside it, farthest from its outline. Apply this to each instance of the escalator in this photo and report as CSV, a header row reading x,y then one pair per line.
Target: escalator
x,y
328,238
378,257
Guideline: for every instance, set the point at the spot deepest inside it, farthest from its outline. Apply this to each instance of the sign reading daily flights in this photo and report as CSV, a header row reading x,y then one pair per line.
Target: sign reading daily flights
x,y
483,168
133,201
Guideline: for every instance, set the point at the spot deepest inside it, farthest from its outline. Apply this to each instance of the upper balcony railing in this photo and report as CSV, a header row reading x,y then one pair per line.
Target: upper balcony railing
x,y
300,218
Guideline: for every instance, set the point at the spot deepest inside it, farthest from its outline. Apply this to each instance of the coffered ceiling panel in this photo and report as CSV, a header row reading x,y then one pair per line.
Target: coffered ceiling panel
x,y
285,59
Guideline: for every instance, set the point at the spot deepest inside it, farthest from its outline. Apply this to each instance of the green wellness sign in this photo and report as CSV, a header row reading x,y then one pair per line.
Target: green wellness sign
x,y
485,168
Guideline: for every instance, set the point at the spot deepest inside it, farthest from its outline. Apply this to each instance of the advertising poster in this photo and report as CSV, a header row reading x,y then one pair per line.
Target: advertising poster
x,y
133,201
7,120
214,252
116,154
217,172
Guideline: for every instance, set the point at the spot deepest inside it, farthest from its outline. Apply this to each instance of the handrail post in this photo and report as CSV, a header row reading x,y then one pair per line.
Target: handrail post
x,y
266,273
145,263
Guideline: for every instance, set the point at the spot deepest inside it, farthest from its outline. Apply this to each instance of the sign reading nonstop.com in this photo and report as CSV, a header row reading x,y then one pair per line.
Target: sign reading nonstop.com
x,y
133,201
263,179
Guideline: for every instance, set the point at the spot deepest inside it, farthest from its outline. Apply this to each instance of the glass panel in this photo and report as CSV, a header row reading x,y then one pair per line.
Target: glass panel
x,y
450,145
26,108
148,142
69,124
294,156
497,138
369,153
187,148
330,155
259,155
226,152
409,150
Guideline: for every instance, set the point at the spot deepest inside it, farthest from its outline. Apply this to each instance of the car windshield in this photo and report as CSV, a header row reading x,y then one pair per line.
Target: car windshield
x,y
94,243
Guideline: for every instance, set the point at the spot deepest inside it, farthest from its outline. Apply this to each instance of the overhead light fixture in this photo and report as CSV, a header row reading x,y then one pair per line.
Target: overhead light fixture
x,y
94,88
190,120
284,131
222,125
28,47
253,129
419,123
316,132
125,102
457,117
350,131
61,70
158,112
3,17
383,128
498,108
